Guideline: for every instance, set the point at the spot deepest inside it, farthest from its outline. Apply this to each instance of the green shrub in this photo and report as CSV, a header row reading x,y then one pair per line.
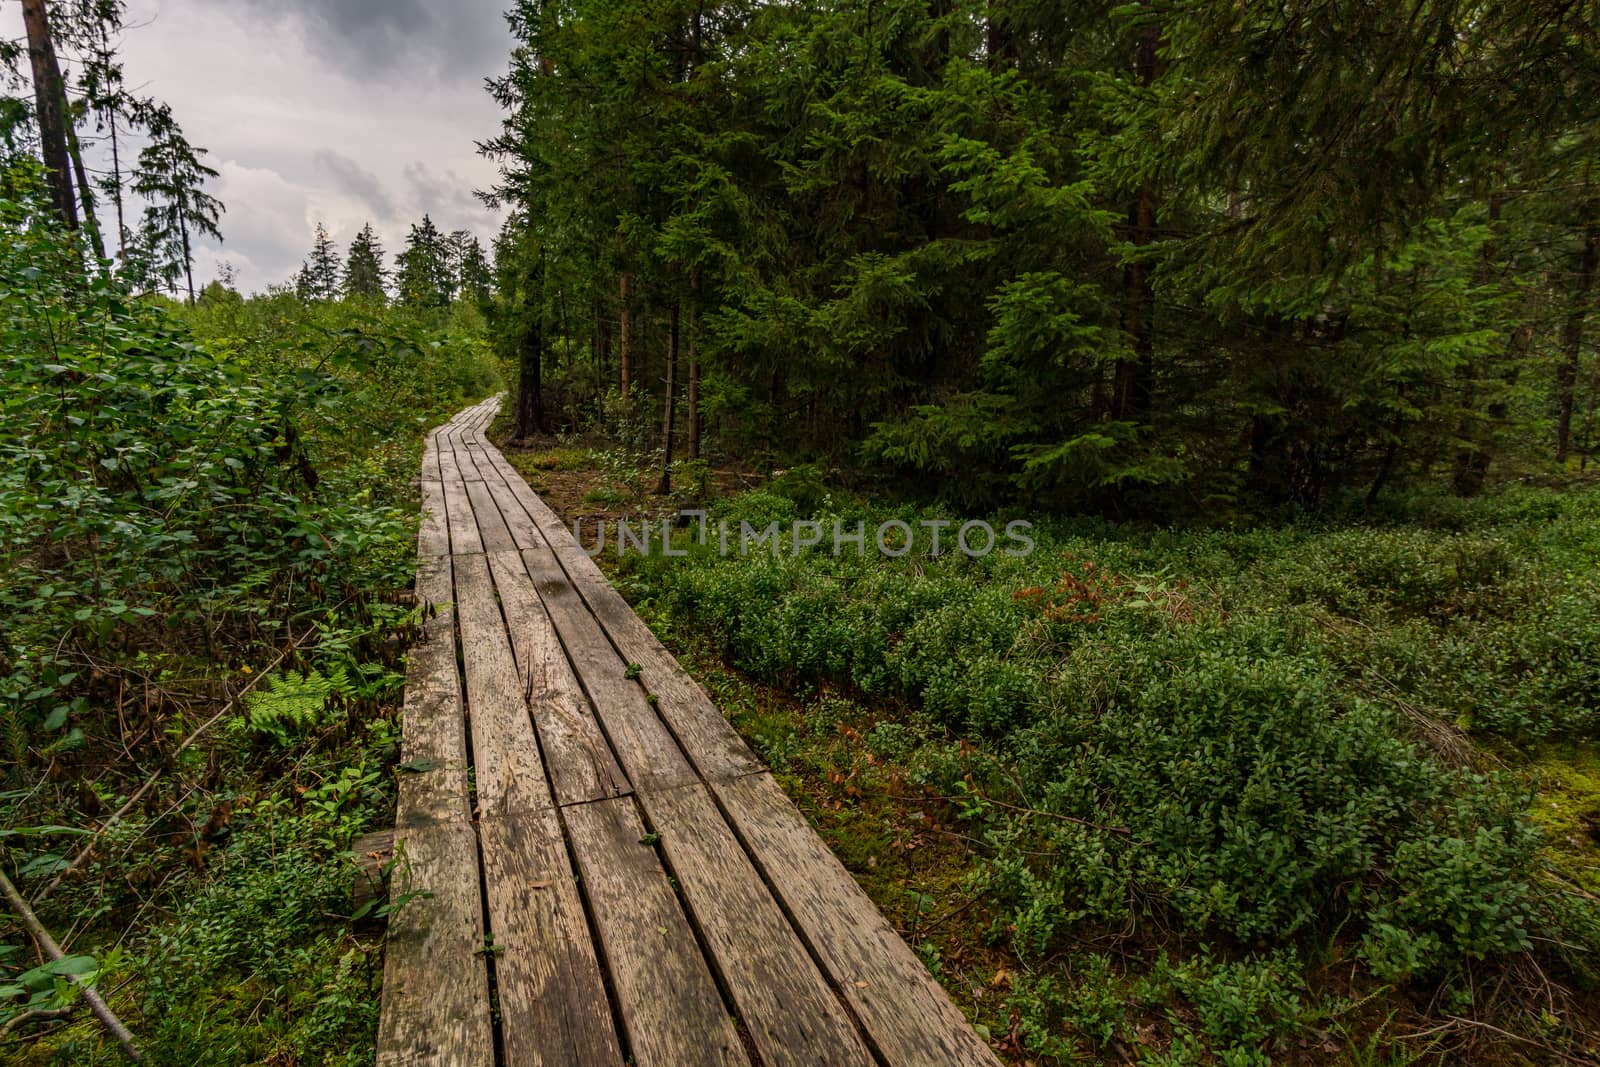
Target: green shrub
x,y
1237,734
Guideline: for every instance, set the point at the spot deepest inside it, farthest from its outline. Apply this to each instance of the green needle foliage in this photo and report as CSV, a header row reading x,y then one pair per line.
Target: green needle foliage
x,y
1137,258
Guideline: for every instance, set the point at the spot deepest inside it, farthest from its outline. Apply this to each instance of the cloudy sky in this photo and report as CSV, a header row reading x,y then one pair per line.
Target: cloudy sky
x,y
343,111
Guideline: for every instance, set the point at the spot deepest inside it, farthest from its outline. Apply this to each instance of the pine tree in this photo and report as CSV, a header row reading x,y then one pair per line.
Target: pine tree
x,y
364,273
171,175
423,275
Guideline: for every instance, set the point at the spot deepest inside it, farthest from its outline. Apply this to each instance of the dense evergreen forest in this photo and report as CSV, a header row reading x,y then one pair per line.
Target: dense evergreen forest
x,y
1150,258
1275,321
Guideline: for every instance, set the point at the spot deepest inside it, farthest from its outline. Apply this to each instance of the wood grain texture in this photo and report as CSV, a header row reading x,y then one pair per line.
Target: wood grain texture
x,y
506,765
647,752
435,1008
706,735
491,527
907,1015
793,1016
580,763
670,1007
464,538
553,1007
433,742
433,536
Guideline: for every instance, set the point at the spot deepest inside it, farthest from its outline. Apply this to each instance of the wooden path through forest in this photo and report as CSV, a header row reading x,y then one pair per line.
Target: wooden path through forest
x,y
611,875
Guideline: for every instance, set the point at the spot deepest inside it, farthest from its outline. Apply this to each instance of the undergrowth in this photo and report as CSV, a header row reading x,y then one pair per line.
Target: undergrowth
x,y
1235,796
191,496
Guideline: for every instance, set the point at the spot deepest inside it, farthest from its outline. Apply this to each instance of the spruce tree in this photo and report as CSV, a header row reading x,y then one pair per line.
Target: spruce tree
x,y
364,273
423,276
171,175
474,279
322,268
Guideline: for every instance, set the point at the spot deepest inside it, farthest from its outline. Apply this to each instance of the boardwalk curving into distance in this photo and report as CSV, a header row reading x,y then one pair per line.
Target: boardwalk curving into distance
x,y
611,875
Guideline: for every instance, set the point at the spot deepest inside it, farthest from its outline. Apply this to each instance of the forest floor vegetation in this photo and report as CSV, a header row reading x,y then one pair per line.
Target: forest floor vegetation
x,y
1315,791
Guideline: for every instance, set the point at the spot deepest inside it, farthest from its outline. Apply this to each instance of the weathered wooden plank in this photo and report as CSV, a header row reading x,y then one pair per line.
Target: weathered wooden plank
x,y
908,1017
710,740
579,760
670,1007
434,583
647,752
464,537
792,1015
455,464
433,733
491,527
506,766
708,737
433,536
553,1007
435,1008
433,744
542,522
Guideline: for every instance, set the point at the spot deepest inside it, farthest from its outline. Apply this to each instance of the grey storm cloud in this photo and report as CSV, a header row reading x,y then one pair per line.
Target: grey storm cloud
x,y
459,39
342,112
352,178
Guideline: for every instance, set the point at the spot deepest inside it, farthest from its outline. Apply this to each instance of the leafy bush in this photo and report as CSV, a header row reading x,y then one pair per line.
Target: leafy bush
x,y
184,492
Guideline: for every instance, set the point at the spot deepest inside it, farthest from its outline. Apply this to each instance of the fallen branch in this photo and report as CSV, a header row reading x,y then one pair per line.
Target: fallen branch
x,y
138,794
31,1015
49,948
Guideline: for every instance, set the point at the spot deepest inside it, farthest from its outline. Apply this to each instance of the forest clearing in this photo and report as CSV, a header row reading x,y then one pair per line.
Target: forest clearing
x,y
905,533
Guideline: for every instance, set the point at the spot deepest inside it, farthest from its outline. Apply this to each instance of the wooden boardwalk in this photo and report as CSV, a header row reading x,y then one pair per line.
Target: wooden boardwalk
x,y
612,876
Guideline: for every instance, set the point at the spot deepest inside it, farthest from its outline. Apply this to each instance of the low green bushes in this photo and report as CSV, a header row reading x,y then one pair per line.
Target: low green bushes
x,y
1259,740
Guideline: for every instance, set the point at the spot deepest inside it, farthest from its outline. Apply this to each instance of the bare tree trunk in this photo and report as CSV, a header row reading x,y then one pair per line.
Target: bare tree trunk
x,y
85,193
530,363
998,35
602,343
1572,336
665,485
694,366
116,155
1474,452
188,254
1131,389
48,95
625,336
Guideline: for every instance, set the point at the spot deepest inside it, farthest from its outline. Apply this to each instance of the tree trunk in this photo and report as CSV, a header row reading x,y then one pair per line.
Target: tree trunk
x,y
694,366
625,336
998,36
85,193
1572,336
116,153
116,189
48,95
188,254
1131,390
1475,450
602,343
665,485
530,363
